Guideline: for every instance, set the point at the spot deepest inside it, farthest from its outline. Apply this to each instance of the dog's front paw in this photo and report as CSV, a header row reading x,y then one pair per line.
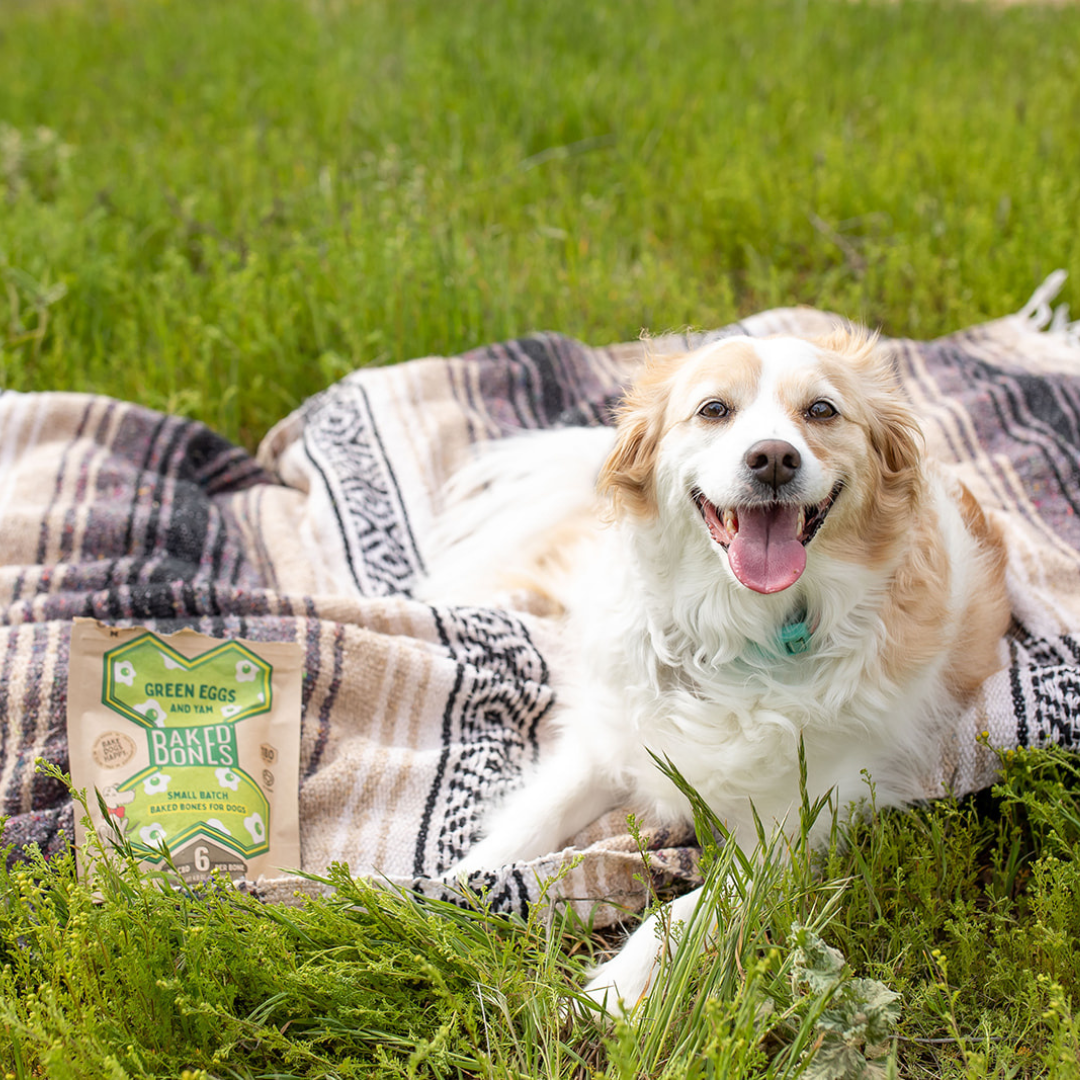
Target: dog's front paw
x,y
621,984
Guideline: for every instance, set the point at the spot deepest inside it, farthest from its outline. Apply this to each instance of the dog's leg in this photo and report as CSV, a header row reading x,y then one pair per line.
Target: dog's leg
x,y
561,798
628,976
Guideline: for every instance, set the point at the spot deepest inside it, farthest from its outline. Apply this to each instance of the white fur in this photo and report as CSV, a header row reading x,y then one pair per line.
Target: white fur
x,y
497,504
672,656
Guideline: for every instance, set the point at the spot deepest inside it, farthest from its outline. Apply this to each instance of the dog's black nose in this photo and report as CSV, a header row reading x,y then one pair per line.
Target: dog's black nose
x,y
773,461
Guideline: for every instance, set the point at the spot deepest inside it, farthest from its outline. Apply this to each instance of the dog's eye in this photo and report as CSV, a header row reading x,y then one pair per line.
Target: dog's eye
x,y
714,410
820,410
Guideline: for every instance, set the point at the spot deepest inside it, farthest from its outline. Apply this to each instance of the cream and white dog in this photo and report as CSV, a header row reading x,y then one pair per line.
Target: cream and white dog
x,y
766,557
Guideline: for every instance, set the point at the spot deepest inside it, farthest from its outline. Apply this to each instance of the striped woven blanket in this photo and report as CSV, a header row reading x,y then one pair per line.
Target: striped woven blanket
x,y
413,715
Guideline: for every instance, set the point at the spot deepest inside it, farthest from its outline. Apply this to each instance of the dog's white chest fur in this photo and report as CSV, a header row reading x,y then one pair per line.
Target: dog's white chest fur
x,y
696,677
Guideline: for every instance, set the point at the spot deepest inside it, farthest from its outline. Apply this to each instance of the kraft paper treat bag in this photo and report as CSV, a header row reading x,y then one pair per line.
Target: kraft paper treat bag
x,y
193,743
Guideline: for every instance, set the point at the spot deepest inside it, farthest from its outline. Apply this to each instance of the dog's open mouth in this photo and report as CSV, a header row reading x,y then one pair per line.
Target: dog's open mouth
x,y
766,542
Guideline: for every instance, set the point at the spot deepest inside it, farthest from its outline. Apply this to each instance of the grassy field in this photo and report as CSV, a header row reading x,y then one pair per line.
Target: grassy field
x,y
217,208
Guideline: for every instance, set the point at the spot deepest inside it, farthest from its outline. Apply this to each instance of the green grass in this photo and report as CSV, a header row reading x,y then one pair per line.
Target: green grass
x,y
217,208
244,199
958,927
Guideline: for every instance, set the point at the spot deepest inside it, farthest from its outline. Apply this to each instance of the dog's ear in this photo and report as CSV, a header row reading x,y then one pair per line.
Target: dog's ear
x,y
894,432
895,436
629,474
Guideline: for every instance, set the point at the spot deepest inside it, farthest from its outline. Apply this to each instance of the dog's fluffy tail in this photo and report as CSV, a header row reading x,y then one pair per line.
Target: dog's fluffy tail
x,y
511,516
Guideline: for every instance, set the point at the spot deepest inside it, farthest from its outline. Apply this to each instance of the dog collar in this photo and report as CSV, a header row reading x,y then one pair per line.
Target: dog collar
x,y
795,636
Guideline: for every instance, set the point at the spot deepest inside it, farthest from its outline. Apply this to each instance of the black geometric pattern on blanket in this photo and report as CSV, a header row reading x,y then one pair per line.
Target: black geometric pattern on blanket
x,y
499,697
341,439
148,536
1044,677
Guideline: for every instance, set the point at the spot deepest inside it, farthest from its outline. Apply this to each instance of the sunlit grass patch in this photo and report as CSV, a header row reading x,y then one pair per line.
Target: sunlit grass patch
x,y
255,196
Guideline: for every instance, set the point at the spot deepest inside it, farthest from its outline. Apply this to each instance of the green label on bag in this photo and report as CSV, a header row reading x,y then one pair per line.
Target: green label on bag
x,y
152,684
173,806
189,710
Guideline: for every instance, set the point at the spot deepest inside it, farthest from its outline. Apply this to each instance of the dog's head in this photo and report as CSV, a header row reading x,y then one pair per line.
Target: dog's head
x,y
771,445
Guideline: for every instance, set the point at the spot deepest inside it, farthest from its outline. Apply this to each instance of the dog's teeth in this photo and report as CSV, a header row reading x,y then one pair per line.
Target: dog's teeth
x,y
729,521
801,522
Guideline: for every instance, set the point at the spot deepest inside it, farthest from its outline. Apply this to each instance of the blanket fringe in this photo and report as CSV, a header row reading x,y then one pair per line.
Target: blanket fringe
x,y
1041,315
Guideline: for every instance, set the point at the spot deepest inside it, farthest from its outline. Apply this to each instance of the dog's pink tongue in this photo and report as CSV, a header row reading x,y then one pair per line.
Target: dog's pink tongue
x,y
766,555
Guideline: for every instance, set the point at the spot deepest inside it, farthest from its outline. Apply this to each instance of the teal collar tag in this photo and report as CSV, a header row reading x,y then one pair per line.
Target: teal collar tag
x,y
795,637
